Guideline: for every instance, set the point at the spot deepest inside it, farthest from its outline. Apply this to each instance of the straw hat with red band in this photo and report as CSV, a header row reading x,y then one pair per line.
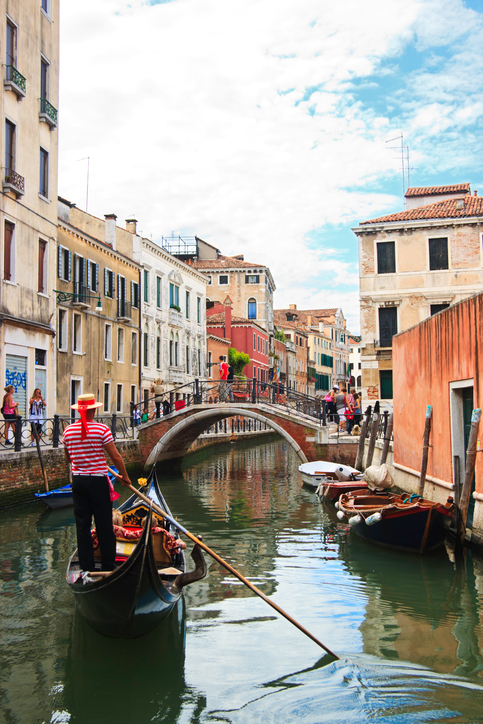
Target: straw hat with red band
x,y
84,403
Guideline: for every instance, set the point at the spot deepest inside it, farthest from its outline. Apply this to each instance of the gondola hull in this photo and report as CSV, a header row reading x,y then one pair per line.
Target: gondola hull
x,y
135,598
60,498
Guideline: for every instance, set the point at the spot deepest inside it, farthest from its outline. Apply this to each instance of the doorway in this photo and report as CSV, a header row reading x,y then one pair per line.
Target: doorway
x,y
75,391
461,405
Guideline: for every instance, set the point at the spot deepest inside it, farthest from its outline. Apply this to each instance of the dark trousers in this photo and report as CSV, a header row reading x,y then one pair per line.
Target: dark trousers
x,y
92,498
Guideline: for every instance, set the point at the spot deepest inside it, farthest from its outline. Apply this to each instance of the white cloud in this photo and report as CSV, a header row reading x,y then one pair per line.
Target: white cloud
x,y
196,117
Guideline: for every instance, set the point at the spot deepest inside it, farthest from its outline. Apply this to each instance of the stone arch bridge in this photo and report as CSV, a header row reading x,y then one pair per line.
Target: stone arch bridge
x,y
170,436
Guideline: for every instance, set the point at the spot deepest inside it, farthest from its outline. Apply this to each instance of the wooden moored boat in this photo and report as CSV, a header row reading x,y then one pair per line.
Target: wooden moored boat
x,y
331,479
405,522
134,598
61,497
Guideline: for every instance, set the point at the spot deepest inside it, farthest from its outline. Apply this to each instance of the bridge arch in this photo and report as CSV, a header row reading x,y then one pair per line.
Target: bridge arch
x,y
177,440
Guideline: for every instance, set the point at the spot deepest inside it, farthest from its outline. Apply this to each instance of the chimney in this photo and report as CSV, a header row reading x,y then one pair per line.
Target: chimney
x,y
292,306
131,225
475,193
460,203
110,230
309,320
227,325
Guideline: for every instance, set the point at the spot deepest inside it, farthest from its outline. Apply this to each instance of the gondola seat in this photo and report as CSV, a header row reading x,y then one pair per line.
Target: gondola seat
x,y
164,544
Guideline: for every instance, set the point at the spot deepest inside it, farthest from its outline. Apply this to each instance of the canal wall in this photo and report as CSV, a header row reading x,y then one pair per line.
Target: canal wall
x,y
21,473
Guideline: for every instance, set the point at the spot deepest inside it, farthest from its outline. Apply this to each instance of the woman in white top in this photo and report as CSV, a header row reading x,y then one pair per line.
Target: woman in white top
x,y
36,413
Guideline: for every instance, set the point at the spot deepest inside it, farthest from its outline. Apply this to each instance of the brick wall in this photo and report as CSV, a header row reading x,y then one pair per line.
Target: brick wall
x,y
21,474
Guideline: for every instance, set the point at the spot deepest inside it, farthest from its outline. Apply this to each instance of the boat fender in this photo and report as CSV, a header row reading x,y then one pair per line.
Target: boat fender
x,y
355,520
337,505
374,518
340,515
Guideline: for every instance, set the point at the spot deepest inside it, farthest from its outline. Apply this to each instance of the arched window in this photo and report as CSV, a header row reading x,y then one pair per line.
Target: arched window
x,y
158,349
145,346
199,359
252,308
171,350
176,350
187,354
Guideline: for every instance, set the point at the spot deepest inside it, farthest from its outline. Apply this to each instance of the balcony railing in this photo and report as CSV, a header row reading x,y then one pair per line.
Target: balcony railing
x,y
15,81
82,295
13,181
48,113
175,318
124,309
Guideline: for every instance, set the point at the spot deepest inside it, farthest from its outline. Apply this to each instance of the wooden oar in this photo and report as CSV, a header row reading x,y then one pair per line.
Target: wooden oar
x,y
226,565
37,443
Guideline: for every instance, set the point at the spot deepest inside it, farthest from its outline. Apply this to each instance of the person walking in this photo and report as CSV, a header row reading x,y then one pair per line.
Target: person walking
x,y
343,404
223,370
158,390
9,412
36,414
229,383
86,441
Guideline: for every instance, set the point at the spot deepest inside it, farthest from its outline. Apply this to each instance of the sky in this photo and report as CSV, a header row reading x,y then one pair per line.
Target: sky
x,y
269,128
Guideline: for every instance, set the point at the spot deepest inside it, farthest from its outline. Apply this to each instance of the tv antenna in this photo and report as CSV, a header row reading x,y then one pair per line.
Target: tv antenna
x,y
405,167
87,158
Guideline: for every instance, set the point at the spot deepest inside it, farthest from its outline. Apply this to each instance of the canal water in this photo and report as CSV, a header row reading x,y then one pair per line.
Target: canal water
x,y
408,630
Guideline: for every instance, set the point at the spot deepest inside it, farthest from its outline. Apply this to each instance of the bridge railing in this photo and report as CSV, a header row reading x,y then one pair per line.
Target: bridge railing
x,y
241,391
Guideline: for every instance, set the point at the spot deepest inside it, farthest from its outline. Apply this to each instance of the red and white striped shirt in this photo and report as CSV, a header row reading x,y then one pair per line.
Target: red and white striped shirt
x,y
87,456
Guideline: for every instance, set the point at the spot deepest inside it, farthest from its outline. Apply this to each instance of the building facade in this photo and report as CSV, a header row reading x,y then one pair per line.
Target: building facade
x,y
28,213
97,289
413,264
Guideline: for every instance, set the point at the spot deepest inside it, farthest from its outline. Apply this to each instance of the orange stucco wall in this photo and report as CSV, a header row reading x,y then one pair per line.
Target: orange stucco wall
x,y
427,358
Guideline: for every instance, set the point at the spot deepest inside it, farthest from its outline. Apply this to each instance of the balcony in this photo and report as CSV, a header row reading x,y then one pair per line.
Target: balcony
x,y
175,318
81,297
48,113
176,375
12,181
15,81
124,311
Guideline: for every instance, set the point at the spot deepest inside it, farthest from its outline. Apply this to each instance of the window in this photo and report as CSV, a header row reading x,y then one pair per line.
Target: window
x,y
133,394
435,308
45,6
10,139
171,349
11,46
145,346
254,341
438,254
146,286
122,306
119,398
386,257
223,279
210,365
77,334
135,295
107,396
64,263
187,350
134,348
108,342
187,305
199,359
252,279
120,344
92,276
252,309
158,349
62,330
198,310
109,283
385,377
173,295
158,292
9,252
44,173
44,79
387,325
42,271
209,280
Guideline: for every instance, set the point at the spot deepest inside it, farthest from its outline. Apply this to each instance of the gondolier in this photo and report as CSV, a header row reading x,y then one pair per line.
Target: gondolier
x,y
85,442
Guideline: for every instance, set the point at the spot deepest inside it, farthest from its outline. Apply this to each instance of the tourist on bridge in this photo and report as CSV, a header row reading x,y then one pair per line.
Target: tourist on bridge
x,y
229,383
36,414
85,442
158,390
223,369
9,411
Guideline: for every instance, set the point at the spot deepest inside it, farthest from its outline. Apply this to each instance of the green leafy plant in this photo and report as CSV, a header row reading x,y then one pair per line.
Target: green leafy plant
x,y
176,307
279,335
238,360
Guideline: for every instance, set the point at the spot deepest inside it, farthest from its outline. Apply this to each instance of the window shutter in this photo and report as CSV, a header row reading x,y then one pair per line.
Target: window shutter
x,y
75,267
59,262
89,263
132,294
106,287
119,295
69,270
97,277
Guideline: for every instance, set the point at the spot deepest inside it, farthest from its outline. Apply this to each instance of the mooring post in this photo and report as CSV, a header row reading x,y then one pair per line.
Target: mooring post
x,y
197,396
424,461
387,439
373,437
468,482
362,439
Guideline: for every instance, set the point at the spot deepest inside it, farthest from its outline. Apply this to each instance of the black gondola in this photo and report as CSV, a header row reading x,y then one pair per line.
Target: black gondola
x,y
134,598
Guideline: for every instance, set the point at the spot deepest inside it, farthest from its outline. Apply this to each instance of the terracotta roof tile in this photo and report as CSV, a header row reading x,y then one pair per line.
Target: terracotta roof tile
x,y
466,207
434,190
